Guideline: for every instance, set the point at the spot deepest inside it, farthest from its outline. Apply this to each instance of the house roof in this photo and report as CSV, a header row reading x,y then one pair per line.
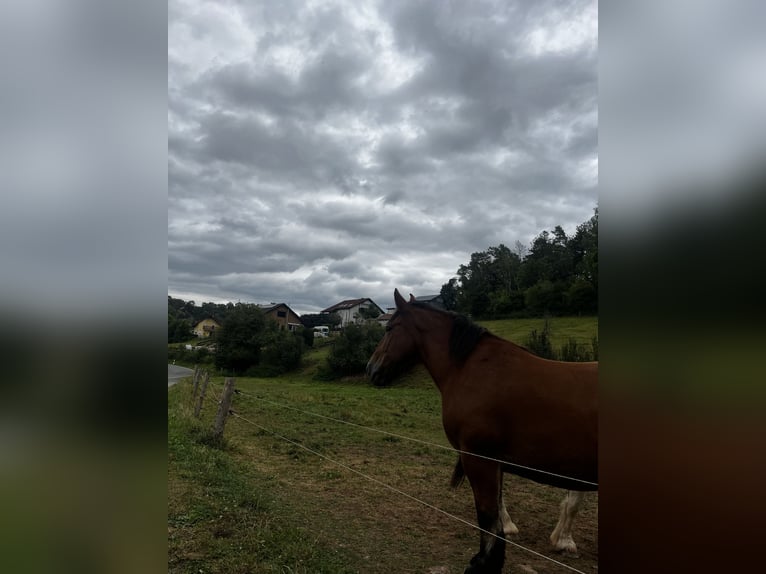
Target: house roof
x,y
347,304
350,304
427,298
273,306
433,300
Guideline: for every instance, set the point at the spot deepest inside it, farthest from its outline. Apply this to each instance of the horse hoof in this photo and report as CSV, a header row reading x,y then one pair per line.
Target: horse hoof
x,y
570,549
478,566
564,544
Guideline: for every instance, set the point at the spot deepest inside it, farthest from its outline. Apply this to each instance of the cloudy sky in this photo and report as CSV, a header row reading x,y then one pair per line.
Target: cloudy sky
x,y
328,150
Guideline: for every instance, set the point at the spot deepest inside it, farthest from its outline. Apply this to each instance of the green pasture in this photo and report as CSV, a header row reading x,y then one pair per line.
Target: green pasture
x,y
260,504
581,329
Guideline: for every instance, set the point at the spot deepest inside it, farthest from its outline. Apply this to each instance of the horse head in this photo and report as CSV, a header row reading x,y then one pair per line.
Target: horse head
x,y
398,350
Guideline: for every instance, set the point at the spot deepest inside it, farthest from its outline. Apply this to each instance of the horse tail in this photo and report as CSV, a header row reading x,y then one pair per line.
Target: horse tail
x,y
457,475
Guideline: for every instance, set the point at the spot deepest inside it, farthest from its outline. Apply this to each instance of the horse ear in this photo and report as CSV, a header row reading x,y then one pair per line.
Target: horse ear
x,y
412,298
398,299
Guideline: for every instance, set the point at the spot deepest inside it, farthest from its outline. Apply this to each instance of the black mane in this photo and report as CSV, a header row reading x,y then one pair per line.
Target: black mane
x,y
465,333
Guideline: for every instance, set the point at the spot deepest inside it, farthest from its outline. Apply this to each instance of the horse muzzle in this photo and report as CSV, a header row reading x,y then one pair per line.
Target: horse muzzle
x,y
375,373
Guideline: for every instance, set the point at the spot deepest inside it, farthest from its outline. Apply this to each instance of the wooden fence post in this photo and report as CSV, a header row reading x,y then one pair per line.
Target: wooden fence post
x,y
223,408
195,380
201,394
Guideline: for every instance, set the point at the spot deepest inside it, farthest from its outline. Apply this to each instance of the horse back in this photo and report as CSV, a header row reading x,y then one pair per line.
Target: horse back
x,y
509,404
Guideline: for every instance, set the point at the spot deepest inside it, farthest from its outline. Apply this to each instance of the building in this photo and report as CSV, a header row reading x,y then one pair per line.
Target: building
x,y
285,317
350,310
205,328
385,317
433,300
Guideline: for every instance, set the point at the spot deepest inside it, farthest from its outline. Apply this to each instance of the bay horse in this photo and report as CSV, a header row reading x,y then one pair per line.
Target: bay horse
x,y
505,410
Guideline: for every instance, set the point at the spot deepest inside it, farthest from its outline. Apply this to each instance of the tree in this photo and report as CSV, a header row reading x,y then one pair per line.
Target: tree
x,y
249,342
504,268
281,351
543,297
520,250
179,330
581,297
584,248
351,351
549,258
449,293
311,320
179,322
239,340
490,277
370,312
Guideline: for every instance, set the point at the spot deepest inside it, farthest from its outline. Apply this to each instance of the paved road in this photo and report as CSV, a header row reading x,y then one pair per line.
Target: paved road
x,y
176,373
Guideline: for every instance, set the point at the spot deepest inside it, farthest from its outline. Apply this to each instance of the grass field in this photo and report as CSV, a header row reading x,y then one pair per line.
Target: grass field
x,y
582,329
261,504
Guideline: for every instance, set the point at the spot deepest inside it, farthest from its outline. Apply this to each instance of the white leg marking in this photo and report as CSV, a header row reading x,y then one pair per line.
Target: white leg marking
x,y
562,535
508,526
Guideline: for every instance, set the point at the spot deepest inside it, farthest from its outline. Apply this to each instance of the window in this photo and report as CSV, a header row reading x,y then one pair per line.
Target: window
x,y
281,313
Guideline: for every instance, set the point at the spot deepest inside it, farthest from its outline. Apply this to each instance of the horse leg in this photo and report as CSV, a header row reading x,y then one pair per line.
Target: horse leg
x,y
485,479
562,535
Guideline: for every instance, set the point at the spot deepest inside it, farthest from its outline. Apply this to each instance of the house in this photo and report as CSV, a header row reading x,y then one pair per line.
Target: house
x,y
433,300
205,328
350,311
285,317
385,317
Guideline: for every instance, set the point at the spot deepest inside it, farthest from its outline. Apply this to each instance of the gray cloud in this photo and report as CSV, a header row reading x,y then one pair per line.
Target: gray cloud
x,y
338,152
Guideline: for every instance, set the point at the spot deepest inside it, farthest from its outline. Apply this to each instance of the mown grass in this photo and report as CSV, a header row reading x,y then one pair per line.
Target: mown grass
x,y
225,517
261,504
581,329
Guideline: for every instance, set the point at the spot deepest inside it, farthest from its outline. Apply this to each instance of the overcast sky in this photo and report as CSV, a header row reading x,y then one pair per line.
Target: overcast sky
x,y
321,151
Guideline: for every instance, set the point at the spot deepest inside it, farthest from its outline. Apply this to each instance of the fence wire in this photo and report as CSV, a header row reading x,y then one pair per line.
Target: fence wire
x,y
235,414
411,439
402,493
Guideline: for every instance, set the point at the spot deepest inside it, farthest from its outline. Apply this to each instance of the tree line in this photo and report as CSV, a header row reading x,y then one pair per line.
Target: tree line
x,y
250,344
556,275
184,315
247,342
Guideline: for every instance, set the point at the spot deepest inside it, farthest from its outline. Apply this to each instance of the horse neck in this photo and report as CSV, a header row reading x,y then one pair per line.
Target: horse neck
x,y
433,347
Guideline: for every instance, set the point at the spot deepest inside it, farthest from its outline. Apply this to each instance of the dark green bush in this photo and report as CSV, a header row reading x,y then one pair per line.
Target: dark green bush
x,y
250,343
351,350
195,356
308,336
282,352
239,341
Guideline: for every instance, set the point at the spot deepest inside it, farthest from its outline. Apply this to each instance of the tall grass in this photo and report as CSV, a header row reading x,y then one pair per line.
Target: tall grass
x,y
576,348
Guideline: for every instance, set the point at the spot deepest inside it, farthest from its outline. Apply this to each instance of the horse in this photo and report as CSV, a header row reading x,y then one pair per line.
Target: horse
x,y
505,410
